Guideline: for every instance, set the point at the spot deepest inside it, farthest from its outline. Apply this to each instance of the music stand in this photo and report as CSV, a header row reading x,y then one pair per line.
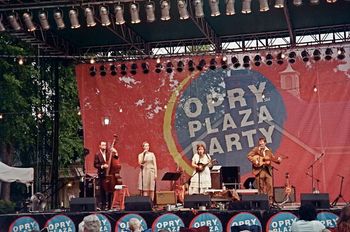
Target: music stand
x,y
171,176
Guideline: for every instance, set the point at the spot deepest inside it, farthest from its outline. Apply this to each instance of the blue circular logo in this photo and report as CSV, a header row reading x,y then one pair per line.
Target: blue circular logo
x,y
24,224
60,223
122,224
328,219
169,222
281,222
105,223
241,219
207,219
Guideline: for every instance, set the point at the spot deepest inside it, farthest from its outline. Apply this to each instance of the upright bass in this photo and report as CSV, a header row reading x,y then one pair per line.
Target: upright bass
x,y
112,177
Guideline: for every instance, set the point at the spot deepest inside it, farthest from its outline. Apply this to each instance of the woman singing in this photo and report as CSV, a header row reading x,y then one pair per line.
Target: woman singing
x,y
148,171
201,180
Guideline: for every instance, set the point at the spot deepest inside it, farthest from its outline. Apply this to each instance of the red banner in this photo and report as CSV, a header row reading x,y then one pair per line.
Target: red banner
x,y
302,109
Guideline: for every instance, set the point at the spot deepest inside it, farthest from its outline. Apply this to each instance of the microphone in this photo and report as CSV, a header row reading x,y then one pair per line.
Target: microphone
x,y
340,176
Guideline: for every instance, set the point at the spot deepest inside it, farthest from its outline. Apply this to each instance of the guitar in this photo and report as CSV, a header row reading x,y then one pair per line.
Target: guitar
x,y
201,166
259,161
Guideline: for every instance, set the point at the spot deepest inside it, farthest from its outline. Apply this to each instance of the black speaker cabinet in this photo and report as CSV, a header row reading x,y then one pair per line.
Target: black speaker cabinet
x,y
230,176
279,193
319,200
138,203
83,204
194,201
256,201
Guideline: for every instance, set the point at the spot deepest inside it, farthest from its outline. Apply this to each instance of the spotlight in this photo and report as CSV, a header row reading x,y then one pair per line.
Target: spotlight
x,y
198,8
279,4
280,58
317,55
145,68
314,2
158,67
230,7
182,7
331,1
305,56
328,54
212,64
214,7
180,66
235,62
133,68
292,57
201,65
74,20
165,10
134,12
92,60
92,71
246,61
341,53
103,70
257,60
104,16
150,8
1,116
20,60
191,65
27,18
269,59
113,69
315,89
246,6
89,15
12,18
43,20
119,14
123,69
2,28
264,5
297,2
224,62
169,67
58,16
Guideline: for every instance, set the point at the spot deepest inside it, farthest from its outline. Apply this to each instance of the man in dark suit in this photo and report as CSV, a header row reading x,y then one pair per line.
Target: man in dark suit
x,y
261,158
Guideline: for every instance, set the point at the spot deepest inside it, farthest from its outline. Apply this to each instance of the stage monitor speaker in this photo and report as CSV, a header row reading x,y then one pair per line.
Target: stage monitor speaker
x,y
195,201
83,204
279,193
166,197
319,200
231,176
138,203
256,201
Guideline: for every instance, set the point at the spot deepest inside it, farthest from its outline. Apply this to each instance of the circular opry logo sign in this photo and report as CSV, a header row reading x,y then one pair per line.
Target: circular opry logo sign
x,y
168,222
122,224
328,219
281,222
228,110
60,223
24,224
243,219
207,219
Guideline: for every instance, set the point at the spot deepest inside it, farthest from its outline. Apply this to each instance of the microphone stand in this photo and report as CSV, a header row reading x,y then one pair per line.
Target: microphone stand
x,y
340,196
314,190
143,160
312,173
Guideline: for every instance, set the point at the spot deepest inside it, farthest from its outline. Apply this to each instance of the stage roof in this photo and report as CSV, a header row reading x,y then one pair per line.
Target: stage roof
x,y
290,26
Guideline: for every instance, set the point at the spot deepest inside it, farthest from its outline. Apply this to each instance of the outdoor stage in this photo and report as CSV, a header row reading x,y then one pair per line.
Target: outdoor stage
x,y
217,220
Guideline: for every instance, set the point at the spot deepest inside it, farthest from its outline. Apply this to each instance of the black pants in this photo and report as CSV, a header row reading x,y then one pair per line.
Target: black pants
x,y
105,197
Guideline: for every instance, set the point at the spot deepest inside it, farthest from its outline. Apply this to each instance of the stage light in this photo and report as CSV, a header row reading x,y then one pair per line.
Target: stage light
x,y
113,69
123,69
150,8
297,2
133,68
280,58
158,67
92,71
230,7
224,62
103,70
169,67
2,27
89,16
328,54
145,67
1,116
92,60
12,18
20,60
44,22
58,16
134,12
27,18
180,66
305,56
214,7
74,20
235,62
182,7
292,57
246,9
212,64
201,64
191,65
119,14
317,55
104,15
331,1
341,53
165,10
269,59
315,88
314,2
246,61
198,8
264,5
106,121
279,3
257,60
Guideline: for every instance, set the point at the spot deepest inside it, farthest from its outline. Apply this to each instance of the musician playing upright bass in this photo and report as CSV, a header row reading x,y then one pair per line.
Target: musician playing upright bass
x,y
261,158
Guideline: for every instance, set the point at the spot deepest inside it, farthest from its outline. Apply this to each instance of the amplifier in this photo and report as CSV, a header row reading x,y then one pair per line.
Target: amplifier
x,y
166,197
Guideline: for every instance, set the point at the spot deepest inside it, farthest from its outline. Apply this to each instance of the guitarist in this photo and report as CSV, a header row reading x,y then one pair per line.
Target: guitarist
x,y
261,158
201,179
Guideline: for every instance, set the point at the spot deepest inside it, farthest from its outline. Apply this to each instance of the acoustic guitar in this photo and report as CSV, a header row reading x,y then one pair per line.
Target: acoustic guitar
x,y
201,166
259,161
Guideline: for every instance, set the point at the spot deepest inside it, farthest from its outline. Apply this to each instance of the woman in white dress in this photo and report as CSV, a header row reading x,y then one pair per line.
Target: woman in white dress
x,y
148,171
201,179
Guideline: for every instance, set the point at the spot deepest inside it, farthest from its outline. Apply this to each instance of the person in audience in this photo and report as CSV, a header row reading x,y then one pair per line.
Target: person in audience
x,y
135,225
308,220
90,223
343,223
